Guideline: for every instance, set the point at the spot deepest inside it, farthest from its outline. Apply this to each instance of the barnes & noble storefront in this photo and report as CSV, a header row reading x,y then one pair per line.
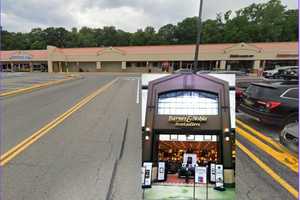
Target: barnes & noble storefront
x,y
188,120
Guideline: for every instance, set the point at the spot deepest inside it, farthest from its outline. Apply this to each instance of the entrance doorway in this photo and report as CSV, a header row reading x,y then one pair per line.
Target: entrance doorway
x,y
175,150
240,65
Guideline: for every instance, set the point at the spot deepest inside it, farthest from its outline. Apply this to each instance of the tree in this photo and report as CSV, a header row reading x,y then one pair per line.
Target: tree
x,y
186,31
166,34
263,22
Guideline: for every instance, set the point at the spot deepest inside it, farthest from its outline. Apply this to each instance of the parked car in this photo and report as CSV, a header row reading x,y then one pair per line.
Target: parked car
x,y
243,82
183,70
289,136
272,103
237,73
278,72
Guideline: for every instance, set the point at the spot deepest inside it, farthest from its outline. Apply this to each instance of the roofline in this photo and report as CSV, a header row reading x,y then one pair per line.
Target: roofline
x,y
163,45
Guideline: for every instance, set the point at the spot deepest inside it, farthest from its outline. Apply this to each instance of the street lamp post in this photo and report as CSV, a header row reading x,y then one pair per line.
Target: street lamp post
x,y
199,24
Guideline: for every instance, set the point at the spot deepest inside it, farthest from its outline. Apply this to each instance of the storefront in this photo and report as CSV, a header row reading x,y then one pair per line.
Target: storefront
x,y
248,57
188,114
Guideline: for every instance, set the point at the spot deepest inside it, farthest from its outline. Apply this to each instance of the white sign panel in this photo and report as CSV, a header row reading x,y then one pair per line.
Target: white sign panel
x,y
148,174
200,175
143,175
161,171
219,176
212,172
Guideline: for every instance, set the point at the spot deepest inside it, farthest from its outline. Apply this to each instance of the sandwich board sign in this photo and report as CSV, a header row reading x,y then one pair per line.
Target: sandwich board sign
x,y
148,174
143,175
200,174
212,172
219,176
161,171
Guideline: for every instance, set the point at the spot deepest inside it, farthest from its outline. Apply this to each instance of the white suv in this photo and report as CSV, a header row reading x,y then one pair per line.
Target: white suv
x,y
275,73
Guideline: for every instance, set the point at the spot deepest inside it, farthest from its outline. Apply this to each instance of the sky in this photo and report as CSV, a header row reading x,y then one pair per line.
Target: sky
x,y
128,15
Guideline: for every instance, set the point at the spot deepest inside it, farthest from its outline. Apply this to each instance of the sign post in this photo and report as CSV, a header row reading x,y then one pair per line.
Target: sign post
x,y
143,180
200,177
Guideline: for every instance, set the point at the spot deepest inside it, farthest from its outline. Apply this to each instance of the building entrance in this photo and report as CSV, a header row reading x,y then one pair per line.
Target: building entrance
x,y
177,150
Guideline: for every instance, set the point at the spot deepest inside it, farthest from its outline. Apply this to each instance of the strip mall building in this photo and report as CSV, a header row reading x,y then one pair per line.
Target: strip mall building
x,y
239,56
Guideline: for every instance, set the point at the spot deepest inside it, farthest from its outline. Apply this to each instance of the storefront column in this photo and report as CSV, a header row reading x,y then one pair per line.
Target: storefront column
x,y
50,66
180,64
223,64
30,67
123,64
59,67
263,64
12,66
256,64
98,65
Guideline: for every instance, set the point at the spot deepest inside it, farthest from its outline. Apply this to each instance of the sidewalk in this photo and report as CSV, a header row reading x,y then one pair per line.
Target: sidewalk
x,y
177,192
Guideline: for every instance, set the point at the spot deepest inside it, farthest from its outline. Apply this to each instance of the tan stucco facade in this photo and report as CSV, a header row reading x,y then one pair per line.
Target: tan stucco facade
x,y
161,58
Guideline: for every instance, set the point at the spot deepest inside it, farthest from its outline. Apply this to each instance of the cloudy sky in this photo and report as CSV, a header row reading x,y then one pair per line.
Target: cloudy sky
x,y
129,15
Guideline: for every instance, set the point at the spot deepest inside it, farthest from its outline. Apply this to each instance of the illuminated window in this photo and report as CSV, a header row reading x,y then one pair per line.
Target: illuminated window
x,y
188,103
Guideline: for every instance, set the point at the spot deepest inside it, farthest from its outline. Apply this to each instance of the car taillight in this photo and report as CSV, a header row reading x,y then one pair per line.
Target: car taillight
x,y
269,104
272,104
239,92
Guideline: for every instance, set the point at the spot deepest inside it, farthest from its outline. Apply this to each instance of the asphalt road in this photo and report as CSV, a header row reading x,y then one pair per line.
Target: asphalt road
x,y
75,160
252,182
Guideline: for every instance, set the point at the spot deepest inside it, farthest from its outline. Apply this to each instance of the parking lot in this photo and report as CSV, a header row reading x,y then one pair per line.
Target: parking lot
x,y
15,81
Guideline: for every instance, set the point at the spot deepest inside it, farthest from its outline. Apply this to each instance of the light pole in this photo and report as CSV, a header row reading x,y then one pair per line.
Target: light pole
x,y
199,24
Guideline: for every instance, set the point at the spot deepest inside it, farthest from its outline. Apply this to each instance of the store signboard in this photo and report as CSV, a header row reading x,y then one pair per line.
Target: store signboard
x,y
212,172
200,175
148,174
187,121
161,171
219,176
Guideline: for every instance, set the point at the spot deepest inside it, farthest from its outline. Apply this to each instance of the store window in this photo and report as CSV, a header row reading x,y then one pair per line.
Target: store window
x,y
188,103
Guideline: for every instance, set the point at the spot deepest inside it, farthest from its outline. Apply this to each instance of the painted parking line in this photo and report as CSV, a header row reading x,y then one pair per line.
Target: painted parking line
x,y
263,137
19,148
284,158
269,171
33,87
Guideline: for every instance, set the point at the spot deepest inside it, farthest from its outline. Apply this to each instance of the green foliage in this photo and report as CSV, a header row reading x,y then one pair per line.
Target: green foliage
x,y
263,22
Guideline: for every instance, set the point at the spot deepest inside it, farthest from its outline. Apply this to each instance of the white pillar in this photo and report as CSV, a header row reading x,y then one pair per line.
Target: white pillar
x,y
256,64
30,67
98,66
59,67
12,66
180,64
223,64
123,64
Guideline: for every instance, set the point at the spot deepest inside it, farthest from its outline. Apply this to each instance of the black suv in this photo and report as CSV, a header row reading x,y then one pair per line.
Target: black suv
x,y
271,103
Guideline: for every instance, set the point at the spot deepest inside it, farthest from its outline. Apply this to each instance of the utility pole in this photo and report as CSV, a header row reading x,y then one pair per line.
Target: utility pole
x,y
199,24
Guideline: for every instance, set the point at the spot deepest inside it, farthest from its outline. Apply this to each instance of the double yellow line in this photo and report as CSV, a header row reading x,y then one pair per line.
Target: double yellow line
x,y
16,150
34,87
281,154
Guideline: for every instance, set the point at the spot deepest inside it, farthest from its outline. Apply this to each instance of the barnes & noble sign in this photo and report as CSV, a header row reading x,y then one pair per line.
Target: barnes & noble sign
x,y
187,121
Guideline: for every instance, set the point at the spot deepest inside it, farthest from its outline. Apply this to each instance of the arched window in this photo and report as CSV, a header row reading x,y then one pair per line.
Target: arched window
x,y
188,102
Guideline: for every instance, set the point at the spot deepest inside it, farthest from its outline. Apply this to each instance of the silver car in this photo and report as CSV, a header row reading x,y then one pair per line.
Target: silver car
x,y
289,136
